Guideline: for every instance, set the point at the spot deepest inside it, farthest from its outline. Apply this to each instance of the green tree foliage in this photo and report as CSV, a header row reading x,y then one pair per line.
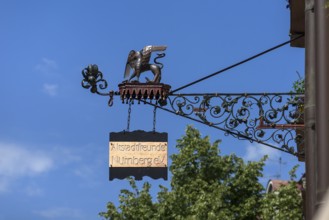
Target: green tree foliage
x,y
205,185
285,203
298,101
299,86
136,204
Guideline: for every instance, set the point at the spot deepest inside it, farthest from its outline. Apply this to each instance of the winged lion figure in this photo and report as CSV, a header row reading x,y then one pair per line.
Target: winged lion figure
x,y
139,62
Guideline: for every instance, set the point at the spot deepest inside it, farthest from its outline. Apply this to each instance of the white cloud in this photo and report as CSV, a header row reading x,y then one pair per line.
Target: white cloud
x,y
47,66
50,89
65,156
33,190
88,175
21,162
256,151
4,185
49,69
84,171
17,161
60,213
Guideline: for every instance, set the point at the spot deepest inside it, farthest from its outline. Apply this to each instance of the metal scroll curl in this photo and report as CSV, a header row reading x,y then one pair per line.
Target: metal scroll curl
x,y
93,79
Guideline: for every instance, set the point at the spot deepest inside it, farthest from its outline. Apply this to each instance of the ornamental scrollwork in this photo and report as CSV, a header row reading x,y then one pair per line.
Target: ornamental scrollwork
x,y
275,118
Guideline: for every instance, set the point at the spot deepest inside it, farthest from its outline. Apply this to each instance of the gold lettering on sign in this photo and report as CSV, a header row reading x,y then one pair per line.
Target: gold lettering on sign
x,y
138,154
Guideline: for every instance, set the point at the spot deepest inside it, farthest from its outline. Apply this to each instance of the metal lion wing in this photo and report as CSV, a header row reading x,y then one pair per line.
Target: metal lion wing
x,y
151,48
130,59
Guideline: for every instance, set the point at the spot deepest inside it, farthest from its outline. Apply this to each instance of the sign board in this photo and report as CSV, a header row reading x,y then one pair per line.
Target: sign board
x,y
138,154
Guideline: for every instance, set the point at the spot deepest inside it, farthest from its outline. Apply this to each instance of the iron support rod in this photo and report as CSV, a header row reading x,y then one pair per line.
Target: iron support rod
x,y
237,64
238,94
322,99
309,110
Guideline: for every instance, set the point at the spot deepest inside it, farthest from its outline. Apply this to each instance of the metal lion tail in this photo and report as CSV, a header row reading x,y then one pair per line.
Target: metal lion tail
x,y
160,55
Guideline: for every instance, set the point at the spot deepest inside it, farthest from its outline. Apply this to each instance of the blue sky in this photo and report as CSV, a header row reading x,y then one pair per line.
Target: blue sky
x,y
54,134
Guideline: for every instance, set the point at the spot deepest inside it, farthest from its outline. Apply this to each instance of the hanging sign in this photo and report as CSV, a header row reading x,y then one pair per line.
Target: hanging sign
x,y
138,153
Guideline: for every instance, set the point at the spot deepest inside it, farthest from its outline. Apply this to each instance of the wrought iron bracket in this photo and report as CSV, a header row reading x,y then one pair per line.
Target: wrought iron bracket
x,y
272,119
